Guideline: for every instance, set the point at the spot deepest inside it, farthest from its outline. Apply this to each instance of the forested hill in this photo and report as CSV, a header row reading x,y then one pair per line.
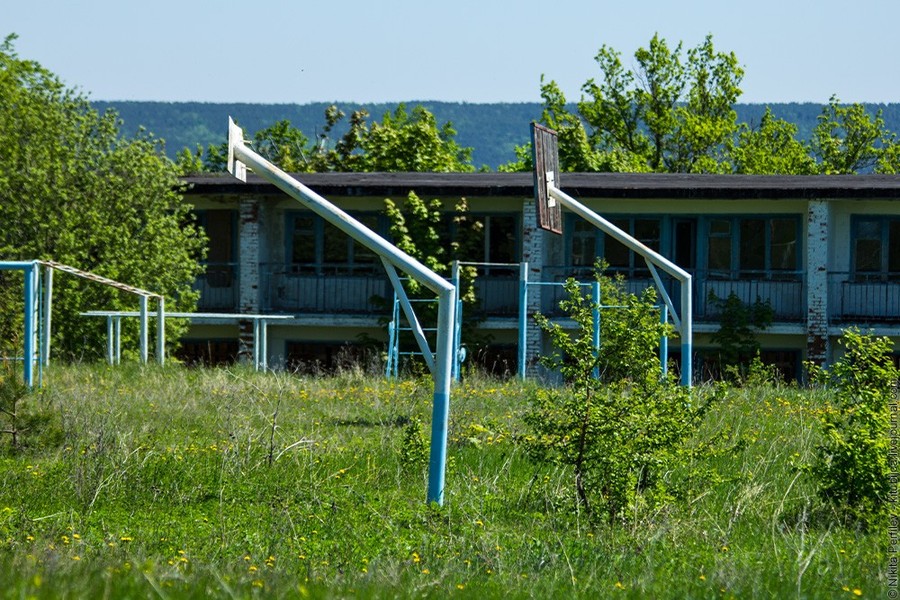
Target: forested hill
x,y
491,130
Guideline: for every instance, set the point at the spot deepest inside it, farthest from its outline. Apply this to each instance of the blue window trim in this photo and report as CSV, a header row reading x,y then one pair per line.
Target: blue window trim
x,y
202,216
884,223
665,238
735,272
318,223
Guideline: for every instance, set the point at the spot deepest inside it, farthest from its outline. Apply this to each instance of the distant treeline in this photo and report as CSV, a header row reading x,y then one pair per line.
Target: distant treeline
x,y
491,130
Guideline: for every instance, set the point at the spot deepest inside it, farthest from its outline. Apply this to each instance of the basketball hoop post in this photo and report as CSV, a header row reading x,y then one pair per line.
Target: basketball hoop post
x,y
550,200
240,157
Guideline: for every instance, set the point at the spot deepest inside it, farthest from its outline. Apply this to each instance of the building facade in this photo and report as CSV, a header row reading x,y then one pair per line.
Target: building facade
x,y
823,252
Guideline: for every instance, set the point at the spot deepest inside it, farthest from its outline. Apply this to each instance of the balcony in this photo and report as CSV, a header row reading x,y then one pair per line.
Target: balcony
x,y
863,299
324,289
219,287
785,294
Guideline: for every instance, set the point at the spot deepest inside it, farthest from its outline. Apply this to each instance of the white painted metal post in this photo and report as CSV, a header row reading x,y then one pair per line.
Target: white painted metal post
x,y
263,344
656,258
161,331
256,344
110,341
240,157
48,312
523,319
118,328
143,325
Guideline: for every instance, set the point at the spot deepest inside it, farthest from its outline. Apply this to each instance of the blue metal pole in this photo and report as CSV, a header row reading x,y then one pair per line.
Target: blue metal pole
x,y
595,296
441,407
143,325
664,341
523,317
30,324
687,320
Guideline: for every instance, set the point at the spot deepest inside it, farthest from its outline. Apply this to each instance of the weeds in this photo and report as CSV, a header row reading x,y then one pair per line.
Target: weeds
x,y
163,483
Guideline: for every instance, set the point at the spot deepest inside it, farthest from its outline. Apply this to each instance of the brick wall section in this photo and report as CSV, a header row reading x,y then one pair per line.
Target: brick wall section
x,y
817,345
249,229
533,254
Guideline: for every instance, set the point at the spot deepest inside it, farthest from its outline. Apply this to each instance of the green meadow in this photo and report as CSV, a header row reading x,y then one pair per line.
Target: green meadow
x,y
226,483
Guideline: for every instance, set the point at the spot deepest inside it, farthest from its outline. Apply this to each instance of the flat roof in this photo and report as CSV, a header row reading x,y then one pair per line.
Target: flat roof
x,y
584,185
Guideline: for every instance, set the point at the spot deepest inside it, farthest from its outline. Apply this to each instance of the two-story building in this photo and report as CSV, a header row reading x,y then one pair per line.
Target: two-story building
x,y
823,251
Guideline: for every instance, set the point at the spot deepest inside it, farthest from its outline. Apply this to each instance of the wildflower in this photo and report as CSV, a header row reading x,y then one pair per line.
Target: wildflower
x,y
126,538
426,571
253,568
460,586
415,557
76,557
857,592
620,585
703,578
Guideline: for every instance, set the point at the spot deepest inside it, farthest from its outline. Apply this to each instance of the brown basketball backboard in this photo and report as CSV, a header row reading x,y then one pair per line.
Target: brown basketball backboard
x,y
545,155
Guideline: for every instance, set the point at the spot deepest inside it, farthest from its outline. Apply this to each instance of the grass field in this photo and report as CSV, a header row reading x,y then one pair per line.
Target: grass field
x,y
228,483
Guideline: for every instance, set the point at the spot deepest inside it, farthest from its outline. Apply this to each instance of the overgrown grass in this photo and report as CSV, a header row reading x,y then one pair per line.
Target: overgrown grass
x,y
215,483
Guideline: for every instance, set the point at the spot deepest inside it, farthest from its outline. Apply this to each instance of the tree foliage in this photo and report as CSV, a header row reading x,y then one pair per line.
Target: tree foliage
x,y
401,141
853,469
675,112
616,423
74,191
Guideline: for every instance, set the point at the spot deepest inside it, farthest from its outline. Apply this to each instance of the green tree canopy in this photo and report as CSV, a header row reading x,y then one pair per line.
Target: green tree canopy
x,y
674,111
74,191
401,141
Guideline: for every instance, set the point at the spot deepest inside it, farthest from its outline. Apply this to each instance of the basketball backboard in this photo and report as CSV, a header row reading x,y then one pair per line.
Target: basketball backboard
x,y
545,149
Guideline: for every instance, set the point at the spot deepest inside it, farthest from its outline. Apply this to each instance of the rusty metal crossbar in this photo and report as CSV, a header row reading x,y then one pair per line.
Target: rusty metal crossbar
x,y
98,278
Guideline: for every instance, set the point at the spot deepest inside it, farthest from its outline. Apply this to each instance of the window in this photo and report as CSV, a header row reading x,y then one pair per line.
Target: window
x,y
876,247
316,246
220,227
752,247
489,238
588,242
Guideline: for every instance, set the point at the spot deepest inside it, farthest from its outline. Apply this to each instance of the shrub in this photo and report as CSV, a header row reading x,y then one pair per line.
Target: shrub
x,y
852,468
617,423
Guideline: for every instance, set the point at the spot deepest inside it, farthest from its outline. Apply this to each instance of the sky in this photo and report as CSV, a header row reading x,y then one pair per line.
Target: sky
x,y
300,51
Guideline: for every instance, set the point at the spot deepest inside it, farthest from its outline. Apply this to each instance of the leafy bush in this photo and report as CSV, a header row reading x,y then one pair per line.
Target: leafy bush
x,y
852,468
617,422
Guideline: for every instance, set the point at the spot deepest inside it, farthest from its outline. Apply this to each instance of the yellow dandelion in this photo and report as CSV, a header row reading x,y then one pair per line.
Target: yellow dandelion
x,y
76,557
460,586
126,538
253,568
703,578
857,592
620,585
426,571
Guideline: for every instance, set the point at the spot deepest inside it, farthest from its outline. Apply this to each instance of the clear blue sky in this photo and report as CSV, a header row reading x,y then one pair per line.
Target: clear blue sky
x,y
300,51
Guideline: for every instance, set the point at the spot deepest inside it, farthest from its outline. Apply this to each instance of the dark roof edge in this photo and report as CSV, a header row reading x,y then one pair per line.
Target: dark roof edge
x,y
585,185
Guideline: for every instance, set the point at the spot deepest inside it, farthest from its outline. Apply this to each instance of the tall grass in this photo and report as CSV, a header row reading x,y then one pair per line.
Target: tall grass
x,y
230,483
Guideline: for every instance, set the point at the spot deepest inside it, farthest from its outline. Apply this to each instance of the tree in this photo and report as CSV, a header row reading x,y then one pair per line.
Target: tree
x,y
80,194
401,141
667,115
771,148
412,142
847,139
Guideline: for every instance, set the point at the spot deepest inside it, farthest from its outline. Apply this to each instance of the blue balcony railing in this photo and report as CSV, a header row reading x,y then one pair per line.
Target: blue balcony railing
x,y
219,287
324,289
864,299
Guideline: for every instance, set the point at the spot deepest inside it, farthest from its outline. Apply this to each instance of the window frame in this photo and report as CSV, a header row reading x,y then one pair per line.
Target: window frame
x,y
319,228
736,269
883,272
